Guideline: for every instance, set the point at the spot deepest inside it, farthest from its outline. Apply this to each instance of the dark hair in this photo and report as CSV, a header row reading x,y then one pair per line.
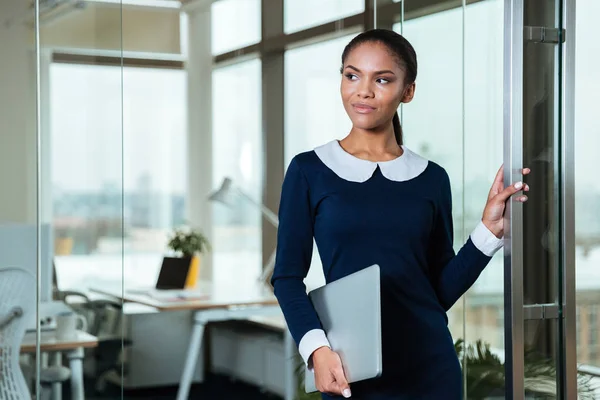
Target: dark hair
x,y
401,49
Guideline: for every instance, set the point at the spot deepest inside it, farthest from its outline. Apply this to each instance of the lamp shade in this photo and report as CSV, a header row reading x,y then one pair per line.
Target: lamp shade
x,y
224,193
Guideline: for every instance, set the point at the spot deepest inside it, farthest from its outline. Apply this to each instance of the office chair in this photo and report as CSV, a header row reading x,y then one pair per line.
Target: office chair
x,y
17,306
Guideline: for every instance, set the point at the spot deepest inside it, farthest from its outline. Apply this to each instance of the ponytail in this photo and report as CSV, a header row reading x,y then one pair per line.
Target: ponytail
x,y
397,129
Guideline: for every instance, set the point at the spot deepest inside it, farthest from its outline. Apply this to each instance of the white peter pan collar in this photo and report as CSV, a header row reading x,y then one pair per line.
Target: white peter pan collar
x,y
348,167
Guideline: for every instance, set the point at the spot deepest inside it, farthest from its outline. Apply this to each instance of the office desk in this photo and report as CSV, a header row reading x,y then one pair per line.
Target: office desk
x,y
73,348
220,301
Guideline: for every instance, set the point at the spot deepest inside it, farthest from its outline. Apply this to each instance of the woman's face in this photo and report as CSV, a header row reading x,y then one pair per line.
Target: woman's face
x,y
373,86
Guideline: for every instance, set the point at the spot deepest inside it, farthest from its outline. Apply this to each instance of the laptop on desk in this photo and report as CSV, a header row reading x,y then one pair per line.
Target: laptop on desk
x,y
170,284
173,274
350,312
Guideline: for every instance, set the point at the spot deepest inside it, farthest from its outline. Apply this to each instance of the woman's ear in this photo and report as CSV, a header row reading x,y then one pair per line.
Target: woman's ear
x,y
409,93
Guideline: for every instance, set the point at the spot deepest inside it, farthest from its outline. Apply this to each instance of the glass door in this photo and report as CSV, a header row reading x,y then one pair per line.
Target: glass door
x,y
539,256
587,196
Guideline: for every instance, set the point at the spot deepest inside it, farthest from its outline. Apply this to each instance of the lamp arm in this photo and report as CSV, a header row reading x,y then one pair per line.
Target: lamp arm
x,y
270,215
268,269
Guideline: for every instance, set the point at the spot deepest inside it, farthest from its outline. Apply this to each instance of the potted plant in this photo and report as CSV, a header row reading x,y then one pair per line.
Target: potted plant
x,y
187,245
485,375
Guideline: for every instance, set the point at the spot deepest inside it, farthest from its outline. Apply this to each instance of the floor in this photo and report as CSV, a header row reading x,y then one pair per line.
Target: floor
x,y
215,387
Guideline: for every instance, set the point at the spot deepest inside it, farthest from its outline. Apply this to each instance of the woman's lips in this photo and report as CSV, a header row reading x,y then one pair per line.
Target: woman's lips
x,y
363,108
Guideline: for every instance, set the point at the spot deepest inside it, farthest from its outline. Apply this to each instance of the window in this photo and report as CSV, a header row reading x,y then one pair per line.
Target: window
x,y
303,14
587,186
314,113
433,127
237,154
235,24
118,173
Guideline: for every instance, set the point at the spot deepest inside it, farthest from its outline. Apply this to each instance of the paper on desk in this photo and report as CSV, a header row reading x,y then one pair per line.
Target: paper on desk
x,y
177,295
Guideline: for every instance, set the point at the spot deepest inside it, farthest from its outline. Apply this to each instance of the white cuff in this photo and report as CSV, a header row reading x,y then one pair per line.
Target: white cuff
x,y
310,342
485,240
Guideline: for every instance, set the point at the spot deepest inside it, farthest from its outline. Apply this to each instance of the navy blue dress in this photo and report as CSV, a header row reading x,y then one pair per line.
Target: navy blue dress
x,y
405,227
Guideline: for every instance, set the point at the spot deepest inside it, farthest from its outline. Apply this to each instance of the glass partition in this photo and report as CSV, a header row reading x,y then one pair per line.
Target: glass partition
x,y
587,195
304,14
122,122
433,121
456,121
238,154
81,99
244,15
25,220
484,303
314,113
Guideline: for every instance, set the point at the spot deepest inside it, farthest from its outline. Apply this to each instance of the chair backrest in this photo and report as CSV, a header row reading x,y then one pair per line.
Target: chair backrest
x,y
17,306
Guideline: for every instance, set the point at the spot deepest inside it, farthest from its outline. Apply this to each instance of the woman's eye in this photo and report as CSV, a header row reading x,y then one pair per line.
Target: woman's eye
x,y
382,80
351,76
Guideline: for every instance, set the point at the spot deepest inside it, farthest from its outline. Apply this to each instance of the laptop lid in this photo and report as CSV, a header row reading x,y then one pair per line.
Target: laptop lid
x,y
173,273
350,313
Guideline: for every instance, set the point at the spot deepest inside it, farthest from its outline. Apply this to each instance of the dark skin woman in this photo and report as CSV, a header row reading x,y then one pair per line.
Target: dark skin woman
x,y
379,70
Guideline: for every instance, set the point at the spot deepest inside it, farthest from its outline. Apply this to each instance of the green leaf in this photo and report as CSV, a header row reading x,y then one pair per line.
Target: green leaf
x,y
188,242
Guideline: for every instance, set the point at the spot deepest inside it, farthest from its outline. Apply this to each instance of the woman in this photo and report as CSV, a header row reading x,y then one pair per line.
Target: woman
x,y
368,199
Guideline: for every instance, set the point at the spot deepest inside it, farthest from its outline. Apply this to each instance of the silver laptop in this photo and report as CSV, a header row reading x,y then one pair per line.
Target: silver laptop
x,y
350,312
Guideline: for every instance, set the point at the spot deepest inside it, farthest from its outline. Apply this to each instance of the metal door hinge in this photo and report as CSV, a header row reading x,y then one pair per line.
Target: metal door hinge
x,y
540,311
541,34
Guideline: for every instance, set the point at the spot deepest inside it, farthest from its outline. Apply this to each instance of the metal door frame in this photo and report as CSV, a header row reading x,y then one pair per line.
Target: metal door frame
x,y
514,309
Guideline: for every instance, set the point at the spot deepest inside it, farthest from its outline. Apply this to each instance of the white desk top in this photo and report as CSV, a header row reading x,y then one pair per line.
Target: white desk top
x,y
206,296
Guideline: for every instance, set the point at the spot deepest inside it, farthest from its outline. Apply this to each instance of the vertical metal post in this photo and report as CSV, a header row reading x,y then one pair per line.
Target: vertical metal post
x,y
569,323
273,122
38,144
513,164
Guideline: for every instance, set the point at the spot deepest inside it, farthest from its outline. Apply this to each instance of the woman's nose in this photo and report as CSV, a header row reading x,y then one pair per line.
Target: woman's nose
x,y
365,90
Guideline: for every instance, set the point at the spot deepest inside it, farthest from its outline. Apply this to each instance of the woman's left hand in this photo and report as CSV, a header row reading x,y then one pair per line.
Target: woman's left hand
x,y
493,214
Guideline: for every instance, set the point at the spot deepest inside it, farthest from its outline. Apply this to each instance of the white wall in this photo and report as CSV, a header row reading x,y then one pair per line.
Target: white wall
x,y
108,27
17,118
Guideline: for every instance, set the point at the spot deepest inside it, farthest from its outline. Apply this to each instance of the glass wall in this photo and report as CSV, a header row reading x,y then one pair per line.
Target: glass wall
x,y
244,15
25,219
88,206
95,153
433,121
237,155
304,14
82,97
121,121
587,191
314,114
455,120
484,306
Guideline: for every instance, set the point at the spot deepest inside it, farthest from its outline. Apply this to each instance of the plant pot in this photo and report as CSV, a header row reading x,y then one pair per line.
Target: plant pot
x,y
193,273
63,246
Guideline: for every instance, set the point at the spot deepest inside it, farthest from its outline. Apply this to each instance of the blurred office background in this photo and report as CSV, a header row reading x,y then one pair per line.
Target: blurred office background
x,y
119,117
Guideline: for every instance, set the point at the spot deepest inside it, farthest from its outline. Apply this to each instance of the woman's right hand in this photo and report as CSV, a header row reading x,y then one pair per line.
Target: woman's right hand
x,y
329,372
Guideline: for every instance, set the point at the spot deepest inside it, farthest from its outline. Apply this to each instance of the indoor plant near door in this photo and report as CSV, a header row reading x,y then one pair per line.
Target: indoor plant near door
x,y
188,244
486,378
